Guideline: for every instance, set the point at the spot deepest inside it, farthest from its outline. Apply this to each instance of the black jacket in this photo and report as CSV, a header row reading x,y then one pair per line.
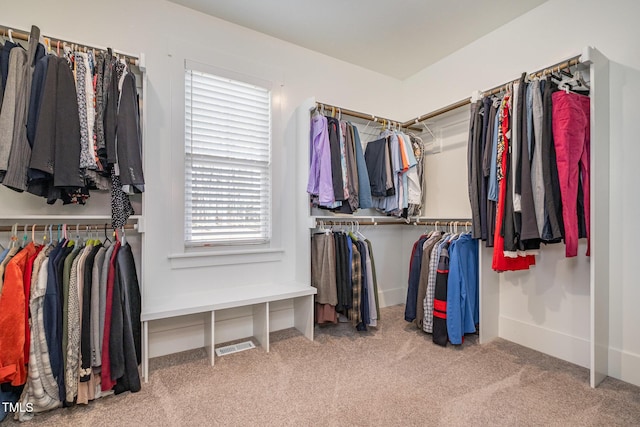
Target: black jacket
x,y
128,136
125,341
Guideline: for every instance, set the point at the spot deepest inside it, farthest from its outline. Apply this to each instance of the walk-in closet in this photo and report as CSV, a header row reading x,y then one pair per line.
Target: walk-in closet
x,y
268,213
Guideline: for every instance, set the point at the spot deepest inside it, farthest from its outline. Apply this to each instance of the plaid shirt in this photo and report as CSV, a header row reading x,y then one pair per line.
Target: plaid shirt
x,y
356,285
427,323
428,245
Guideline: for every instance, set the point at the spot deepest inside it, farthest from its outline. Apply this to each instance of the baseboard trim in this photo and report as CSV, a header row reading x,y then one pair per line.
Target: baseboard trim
x,y
391,297
554,343
624,365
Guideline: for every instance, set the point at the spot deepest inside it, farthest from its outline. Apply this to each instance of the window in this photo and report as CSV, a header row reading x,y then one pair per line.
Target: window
x,y
227,161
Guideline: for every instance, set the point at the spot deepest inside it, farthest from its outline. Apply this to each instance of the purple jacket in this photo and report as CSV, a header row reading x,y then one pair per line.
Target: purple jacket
x,y
320,182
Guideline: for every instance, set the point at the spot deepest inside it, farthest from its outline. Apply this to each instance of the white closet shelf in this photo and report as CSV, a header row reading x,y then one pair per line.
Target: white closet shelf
x,y
63,217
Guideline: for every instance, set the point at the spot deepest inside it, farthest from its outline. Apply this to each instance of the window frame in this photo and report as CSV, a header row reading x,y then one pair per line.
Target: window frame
x,y
223,246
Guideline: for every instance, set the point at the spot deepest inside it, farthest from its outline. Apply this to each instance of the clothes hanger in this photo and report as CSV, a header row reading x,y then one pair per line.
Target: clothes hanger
x,y
78,239
106,238
14,236
565,80
358,233
578,80
25,236
65,231
368,123
33,234
10,35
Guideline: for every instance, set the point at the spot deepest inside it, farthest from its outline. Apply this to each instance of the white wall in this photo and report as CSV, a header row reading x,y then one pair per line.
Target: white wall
x,y
549,308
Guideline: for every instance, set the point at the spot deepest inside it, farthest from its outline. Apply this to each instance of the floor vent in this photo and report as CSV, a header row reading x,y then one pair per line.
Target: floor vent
x,y
234,348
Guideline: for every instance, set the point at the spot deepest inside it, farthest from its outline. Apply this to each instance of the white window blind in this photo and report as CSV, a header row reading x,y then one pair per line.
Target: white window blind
x,y
227,161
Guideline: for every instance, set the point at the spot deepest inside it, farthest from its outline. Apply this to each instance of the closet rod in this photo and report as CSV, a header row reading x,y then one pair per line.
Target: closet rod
x,y
22,35
559,66
370,222
363,116
70,227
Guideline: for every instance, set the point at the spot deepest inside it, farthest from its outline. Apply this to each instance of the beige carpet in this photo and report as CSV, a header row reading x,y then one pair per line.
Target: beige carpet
x,y
391,376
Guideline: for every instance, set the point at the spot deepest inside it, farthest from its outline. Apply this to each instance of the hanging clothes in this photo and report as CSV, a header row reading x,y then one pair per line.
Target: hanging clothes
x,y
463,313
424,277
323,276
343,176
41,389
129,138
5,54
532,124
554,226
12,315
343,271
415,266
16,175
364,186
500,261
61,136
320,182
571,112
61,284
10,109
126,335
432,271
446,296
440,335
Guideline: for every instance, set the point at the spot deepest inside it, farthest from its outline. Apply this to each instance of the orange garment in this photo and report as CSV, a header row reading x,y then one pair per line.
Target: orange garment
x,y
12,325
403,154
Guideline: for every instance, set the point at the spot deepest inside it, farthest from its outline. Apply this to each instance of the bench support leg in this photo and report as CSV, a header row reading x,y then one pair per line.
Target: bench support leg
x,y
303,315
261,324
209,335
145,351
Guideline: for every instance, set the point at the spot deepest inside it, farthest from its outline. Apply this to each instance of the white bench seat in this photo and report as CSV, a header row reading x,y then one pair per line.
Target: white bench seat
x,y
258,296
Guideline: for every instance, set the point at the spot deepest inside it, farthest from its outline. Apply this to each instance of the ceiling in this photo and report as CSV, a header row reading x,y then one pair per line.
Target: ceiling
x,y
396,38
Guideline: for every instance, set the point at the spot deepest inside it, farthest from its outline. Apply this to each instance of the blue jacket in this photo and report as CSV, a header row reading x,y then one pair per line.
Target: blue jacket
x,y
462,288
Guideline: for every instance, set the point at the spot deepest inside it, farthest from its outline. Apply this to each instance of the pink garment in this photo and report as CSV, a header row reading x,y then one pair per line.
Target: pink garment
x,y
326,313
571,134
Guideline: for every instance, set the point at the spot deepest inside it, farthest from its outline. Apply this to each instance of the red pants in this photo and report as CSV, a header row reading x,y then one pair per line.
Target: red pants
x,y
571,135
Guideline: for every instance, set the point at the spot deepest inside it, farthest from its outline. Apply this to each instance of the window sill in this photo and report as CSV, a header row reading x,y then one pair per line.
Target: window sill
x,y
227,257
